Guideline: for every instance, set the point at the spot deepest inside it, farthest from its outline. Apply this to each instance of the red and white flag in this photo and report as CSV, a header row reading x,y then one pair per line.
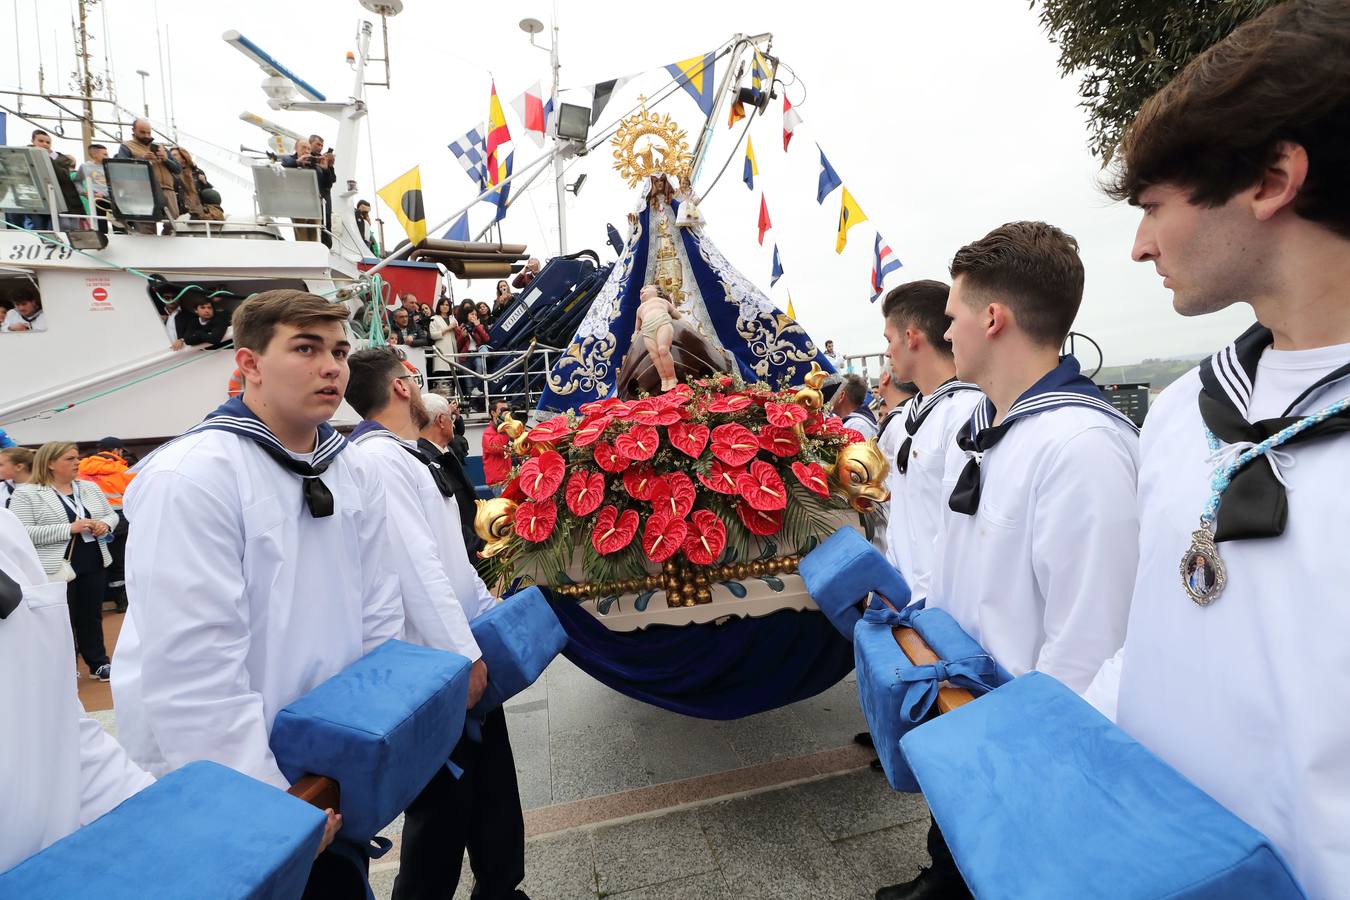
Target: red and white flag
x,y
791,119
530,107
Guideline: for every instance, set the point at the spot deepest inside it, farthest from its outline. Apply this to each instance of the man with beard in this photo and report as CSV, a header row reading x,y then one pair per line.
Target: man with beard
x,y
479,811
164,170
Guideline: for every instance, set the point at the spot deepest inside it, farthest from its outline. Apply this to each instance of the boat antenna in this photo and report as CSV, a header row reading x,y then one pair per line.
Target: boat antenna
x,y
159,53
37,27
108,81
18,55
173,108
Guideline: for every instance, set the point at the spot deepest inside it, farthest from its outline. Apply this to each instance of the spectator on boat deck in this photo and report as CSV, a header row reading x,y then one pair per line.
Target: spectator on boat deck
x,y
836,359
485,313
850,405
442,333
165,171
191,182
504,296
27,314
528,274
403,333
16,468
211,209
416,317
470,337
64,166
42,140
302,158
206,328
323,168
174,318
93,182
365,228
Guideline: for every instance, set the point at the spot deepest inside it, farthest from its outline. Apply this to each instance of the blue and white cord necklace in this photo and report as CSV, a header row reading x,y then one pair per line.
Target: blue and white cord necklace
x,y
1203,575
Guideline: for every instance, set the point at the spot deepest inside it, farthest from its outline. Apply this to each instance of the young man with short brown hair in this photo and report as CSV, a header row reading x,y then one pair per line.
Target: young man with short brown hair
x,y
252,572
1242,168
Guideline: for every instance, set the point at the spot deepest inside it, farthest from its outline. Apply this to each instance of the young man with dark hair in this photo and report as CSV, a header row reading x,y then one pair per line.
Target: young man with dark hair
x,y
205,328
480,810
1242,168
918,351
1037,546
253,573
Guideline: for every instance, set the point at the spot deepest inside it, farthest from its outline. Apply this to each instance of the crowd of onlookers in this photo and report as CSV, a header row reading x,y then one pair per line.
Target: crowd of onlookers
x,y
71,508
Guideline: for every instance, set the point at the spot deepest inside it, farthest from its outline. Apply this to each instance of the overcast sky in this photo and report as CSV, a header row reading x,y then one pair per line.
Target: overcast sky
x,y
943,119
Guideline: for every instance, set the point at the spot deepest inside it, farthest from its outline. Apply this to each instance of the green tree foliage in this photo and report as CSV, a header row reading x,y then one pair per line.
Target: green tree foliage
x,y
1125,51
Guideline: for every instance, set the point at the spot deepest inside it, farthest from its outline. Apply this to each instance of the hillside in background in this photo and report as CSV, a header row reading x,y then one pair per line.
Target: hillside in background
x,y
1157,373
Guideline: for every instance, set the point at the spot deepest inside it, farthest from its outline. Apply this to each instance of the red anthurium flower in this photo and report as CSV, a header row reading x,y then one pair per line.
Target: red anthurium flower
x,y
535,521
762,487
688,439
676,396
706,538
854,436
639,481
759,521
620,409
496,467
815,424
813,477
612,531
729,403
734,444
833,425
663,536
513,492
608,458
639,443
551,431
674,494
651,412
540,476
721,477
785,415
590,429
599,407
779,441
584,492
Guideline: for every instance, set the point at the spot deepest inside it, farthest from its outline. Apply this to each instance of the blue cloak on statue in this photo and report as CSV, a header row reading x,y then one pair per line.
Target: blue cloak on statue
x,y
729,311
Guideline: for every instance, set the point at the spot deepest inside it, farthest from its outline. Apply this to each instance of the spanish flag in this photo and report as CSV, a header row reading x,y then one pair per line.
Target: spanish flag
x,y
498,136
404,196
850,214
751,168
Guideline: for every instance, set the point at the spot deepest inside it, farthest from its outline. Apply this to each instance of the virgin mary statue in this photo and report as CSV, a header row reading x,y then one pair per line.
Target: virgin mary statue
x,y
668,247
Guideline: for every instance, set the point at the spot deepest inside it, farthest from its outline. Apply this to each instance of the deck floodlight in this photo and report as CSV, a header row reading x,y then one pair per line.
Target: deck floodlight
x,y
287,193
574,122
28,182
134,190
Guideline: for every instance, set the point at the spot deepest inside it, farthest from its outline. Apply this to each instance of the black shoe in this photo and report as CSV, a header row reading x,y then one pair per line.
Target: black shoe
x,y
863,739
876,765
930,885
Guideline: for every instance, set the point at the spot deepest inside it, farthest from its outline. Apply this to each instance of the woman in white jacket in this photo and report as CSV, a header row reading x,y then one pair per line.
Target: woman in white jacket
x,y
58,768
443,345
68,521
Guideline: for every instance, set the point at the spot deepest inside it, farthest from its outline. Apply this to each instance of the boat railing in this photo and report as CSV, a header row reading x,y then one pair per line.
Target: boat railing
x,y
476,386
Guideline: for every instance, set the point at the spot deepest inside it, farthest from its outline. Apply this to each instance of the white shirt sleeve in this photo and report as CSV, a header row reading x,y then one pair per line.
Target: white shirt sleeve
x,y
171,328
1104,691
107,774
429,602
382,602
194,629
1085,546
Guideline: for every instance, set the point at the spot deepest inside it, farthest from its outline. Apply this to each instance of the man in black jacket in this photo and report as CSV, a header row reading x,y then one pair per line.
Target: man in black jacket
x,y
206,327
440,441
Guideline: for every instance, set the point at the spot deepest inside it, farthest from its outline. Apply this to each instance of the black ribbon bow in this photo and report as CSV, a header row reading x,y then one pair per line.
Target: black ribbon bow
x,y
920,407
965,496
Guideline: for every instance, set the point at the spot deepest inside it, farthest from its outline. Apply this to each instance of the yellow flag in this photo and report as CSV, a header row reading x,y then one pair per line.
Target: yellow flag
x,y
850,214
791,314
404,196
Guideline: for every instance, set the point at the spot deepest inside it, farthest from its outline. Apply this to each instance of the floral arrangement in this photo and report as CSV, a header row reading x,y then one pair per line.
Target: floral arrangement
x,y
711,473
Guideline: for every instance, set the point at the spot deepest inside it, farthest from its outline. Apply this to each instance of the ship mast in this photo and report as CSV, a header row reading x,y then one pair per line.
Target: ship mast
x,y
86,77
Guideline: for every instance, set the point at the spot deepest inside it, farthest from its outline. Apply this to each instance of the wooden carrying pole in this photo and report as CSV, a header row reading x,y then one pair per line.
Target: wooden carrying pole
x,y
318,790
919,653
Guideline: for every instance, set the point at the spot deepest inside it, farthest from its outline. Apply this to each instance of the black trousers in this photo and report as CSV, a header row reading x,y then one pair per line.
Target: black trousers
x,y
84,598
117,585
943,863
336,877
479,812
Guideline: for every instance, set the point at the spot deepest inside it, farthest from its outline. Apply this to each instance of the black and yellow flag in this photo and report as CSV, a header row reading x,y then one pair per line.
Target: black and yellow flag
x,y
850,214
404,196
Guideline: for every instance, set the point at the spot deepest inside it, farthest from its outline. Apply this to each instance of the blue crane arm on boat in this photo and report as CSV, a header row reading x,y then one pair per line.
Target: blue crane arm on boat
x,y
270,65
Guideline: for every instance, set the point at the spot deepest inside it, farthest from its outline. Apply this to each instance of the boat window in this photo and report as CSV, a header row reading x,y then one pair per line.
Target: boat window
x,y
183,305
21,305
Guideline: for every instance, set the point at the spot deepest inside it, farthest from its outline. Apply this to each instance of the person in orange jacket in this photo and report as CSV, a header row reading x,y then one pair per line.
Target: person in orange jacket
x,y
108,468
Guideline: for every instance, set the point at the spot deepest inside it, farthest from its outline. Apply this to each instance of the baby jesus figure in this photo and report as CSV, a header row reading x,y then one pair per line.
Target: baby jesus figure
x,y
655,315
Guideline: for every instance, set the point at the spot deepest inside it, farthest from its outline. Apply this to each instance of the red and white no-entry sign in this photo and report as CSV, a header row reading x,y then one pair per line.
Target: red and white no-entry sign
x,y
99,294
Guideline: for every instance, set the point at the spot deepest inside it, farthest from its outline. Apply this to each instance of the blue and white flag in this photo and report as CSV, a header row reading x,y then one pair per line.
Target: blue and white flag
x,y
883,262
777,268
470,150
459,231
829,179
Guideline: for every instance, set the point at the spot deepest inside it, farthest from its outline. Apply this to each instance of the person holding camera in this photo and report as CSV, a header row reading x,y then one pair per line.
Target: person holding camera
x,y
324,169
305,157
164,170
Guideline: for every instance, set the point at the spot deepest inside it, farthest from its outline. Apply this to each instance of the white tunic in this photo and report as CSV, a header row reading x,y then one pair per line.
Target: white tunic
x,y
1246,697
441,590
1040,576
918,495
58,768
240,600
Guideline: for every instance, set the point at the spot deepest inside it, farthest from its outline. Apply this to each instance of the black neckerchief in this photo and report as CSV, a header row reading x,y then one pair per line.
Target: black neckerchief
x,y
1064,385
1255,504
235,417
370,427
886,421
11,595
920,407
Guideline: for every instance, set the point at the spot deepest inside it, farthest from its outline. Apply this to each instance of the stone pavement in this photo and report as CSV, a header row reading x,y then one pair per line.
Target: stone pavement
x,y
624,800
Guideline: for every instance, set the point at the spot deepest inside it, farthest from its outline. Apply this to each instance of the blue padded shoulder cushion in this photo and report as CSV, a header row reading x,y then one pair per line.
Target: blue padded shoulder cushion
x,y
1039,795
380,728
518,637
201,831
842,571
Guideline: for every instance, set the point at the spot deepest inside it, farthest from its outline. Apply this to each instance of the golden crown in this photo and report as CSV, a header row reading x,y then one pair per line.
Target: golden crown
x,y
666,151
